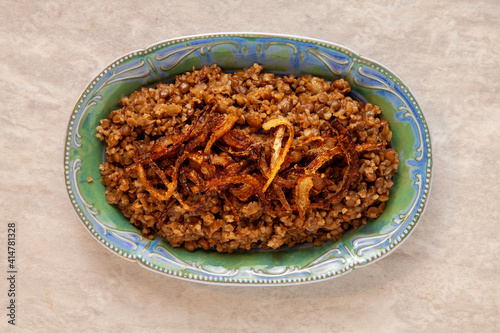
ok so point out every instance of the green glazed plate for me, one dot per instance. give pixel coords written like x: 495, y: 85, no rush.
x: 370, y: 82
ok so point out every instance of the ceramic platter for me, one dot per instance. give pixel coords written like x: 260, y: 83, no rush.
x: 370, y: 82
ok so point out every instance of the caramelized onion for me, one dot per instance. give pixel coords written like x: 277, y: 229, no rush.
x: 157, y: 194
x: 209, y: 173
x: 279, y: 154
x: 220, y: 131
x: 370, y: 146
x: 302, y: 189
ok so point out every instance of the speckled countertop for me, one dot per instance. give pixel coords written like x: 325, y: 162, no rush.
x: 444, y: 278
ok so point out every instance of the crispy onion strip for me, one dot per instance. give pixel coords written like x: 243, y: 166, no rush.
x: 345, y: 147
x: 308, y: 141
x: 281, y: 197
x: 278, y: 138
x: 238, y: 139
x: 349, y: 151
x: 243, y: 192
x: 279, y: 153
x: 305, y: 183
x: 201, y: 132
x: 322, y: 159
x: 143, y: 157
x: 188, y: 173
x: 370, y: 146
x: 220, y: 131
x: 237, y: 143
x: 220, y: 183
x: 167, y: 146
x: 302, y: 189
x: 157, y: 194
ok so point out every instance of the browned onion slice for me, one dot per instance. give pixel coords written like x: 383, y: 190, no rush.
x: 279, y: 154
x: 302, y: 189
x: 220, y: 131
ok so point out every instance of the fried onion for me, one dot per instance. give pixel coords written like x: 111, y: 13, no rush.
x: 211, y: 173
x: 220, y: 131
x: 279, y: 153
x: 302, y: 189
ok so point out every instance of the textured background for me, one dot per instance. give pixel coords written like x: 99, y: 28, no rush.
x: 444, y: 278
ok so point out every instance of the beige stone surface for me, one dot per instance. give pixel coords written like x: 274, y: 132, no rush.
x: 444, y: 278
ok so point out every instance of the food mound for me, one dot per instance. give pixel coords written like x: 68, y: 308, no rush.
x: 246, y: 160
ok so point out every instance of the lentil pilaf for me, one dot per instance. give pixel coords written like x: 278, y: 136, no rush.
x: 234, y: 161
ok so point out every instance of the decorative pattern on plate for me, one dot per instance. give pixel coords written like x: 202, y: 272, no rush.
x: 370, y: 82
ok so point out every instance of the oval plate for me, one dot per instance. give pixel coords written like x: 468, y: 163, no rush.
x: 370, y: 82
